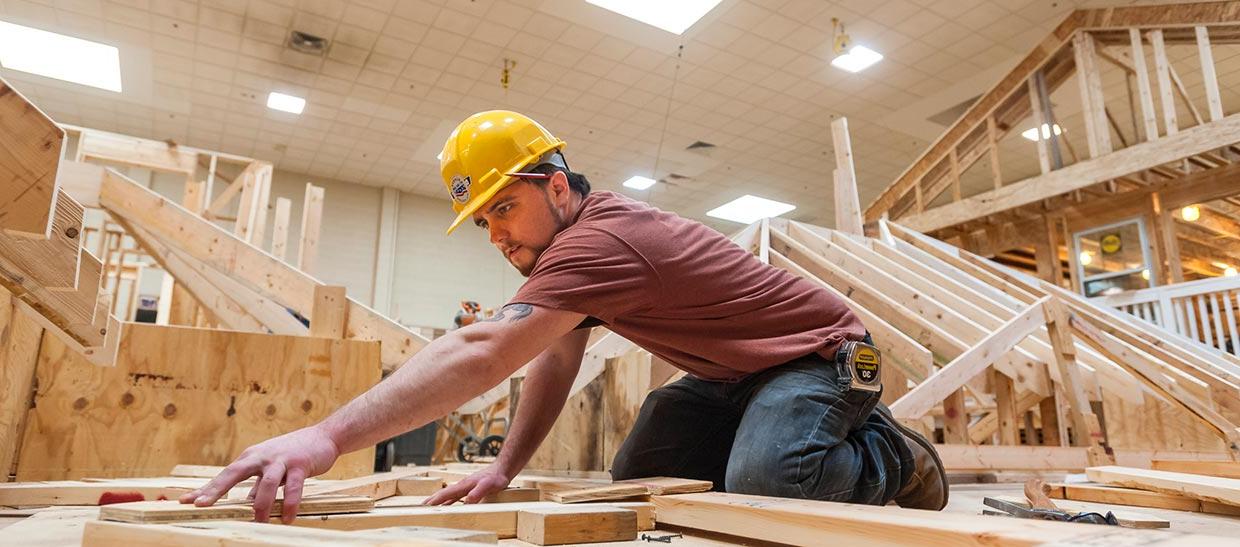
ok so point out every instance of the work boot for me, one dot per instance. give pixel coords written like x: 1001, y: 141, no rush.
x: 927, y: 488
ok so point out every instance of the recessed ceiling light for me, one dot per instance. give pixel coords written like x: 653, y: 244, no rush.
x: 285, y: 103
x: 1032, y: 132
x: 857, y: 59
x: 748, y: 209
x: 638, y: 182
x: 674, y: 17
x: 61, y: 57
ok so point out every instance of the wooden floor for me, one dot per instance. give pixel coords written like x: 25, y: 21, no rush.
x: 62, y: 528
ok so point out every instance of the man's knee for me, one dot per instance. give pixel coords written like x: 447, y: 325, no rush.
x: 761, y: 473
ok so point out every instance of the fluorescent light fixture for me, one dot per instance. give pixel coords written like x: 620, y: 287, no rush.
x: 638, y: 182
x: 748, y: 209
x: 675, y: 16
x: 857, y: 59
x: 285, y: 103
x: 1032, y: 132
x: 61, y: 57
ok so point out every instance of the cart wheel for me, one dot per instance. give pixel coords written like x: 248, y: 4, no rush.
x: 490, y: 446
x: 467, y: 449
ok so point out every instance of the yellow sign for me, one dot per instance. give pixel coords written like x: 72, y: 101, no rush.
x: 1111, y: 244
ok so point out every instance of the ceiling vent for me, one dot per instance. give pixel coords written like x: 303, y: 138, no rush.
x: 307, y: 43
x: 699, y: 145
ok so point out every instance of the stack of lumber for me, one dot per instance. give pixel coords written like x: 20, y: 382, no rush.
x: 593, y: 511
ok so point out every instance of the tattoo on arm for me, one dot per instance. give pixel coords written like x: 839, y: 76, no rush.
x: 519, y: 312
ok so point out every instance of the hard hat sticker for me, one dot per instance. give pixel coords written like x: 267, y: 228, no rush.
x: 460, y: 188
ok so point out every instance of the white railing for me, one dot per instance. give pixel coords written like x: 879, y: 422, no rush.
x: 1204, y: 310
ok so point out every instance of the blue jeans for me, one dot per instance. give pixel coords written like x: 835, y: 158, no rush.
x: 792, y: 431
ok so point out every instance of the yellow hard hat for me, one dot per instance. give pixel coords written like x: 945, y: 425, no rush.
x: 481, y: 155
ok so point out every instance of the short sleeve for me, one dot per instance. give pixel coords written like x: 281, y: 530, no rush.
x: 592, y: 272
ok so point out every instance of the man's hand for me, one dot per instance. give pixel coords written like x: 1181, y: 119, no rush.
x: 288, y: 459
x: 472, y: 488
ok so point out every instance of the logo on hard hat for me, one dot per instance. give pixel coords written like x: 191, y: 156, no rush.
x: 460, y: 189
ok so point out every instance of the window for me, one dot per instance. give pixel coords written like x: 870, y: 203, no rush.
x: 1112, y: 258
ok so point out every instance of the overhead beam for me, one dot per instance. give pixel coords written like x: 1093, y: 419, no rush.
x: 1138, y: 157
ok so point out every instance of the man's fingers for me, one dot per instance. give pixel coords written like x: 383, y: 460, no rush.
x: 272, y: 476
x: 450, y: 494
x: 235, y: 472
x: 292, y: 494
x: 481, y: 491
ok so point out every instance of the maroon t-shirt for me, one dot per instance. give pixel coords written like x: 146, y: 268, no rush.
x: 684, y: 292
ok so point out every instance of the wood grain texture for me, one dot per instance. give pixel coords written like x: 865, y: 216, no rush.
x: 164, y: 511
x: 1217, y: 489
x: 183, y: 395
x: 1225, y: 469
x: 51, y: 262
x: 670, y: 485
x: 30, y: 145
x: 800, y: 522
x: 249, y: 534
x: 616, y: 491
x: 578, y: 524
x: 20, y: 337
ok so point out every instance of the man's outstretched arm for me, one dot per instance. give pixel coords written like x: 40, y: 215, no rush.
x: 549, y: 378
x: 437, y: 380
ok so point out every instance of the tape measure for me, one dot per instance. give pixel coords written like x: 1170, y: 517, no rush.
x: 861, y: 364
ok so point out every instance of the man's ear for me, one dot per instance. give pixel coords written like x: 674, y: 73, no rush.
x: 559, y: 185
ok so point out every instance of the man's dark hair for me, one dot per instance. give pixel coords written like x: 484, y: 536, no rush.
x: 576, y: 181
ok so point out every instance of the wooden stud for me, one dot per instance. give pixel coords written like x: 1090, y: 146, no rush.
x: 1097, y: 133
x: 1039, y: 121
x: 279, y: 229
x: 992, y: 138
x: 1049, y: 411
x: 1214, y: 100
x: 1162, y: 69
x: 955, y: 419
x: 847, y: 202
x: 329, y: 316
x: 1005, y: 399
x: 311, y: 224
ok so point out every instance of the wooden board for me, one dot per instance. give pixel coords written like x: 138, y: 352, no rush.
x: 1227, y: 469
x: 92, y: 493
x: 670, y: 485
x: 1140, y: 498
x: 249, y: 534
x: 184, y: 395
x: 1202, y: 487
x: 500, y: 518
x: 30, y: 145
x: 374, y: 486
x: 418, y: 486
x: 578, y: 524
x: 203, y: 471
x: 801, y: 522
x: 599, y: 493
x: 146, y: 512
